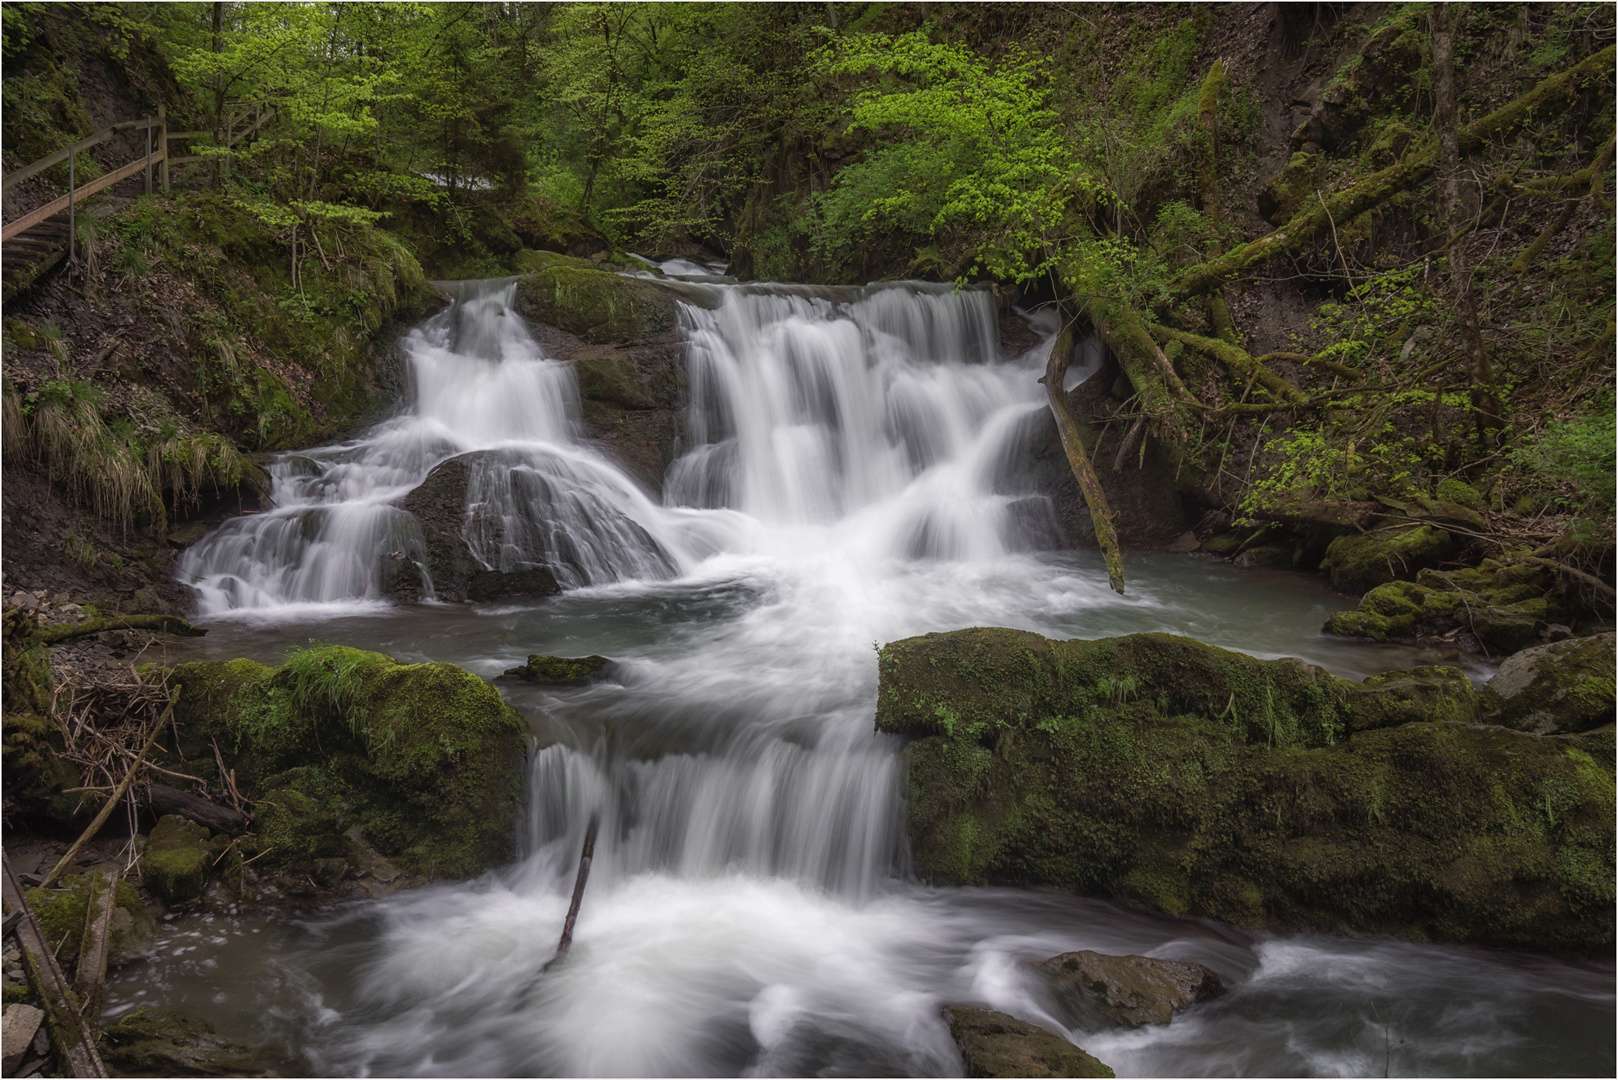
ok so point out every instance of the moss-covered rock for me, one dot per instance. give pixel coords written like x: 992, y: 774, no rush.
x: 1358, y: 562
x: 1170, y: 774
x: 61, y: 911
x: 178, y: 857
x: 597, y: 306
x: 1565, y: 686
x: 425, y: 759
x: 1288, y: 190
x: 562, y: 670
x: 147, y: 1042
x: 994, y: 1044
x: 1460, y: 493
x: 1499, y: 606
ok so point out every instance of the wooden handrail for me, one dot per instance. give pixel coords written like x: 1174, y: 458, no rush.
x: 28, y: 221
x: 79, y: 147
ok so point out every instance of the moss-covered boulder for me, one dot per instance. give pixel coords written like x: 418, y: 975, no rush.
x: 425, y: 760
x: 1358, y: 562
x: 1565, y: 686
x: 994, y: 1044
x: 1291, y: 188
x: 1170, y: 774
x: 1499, y: 606
x: 178, y: 857
x: 61, y: 911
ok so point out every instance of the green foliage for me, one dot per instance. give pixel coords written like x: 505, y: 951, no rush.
x: 1376, y: 317
x: 971, y: 144
x: 1577, y: 459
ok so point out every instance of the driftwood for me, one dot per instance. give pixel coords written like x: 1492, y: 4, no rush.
x: 69, y: 1033
x: 163, y: 624
x: 167, y: 800
x: 1094, y: 498
x: 89, y: 981
x: 117, y: 795
x: 585, y: 858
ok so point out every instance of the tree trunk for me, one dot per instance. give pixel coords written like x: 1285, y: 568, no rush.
x: 1094, y: 498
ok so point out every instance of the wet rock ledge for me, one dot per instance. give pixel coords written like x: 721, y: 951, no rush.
x: 1172, y: 775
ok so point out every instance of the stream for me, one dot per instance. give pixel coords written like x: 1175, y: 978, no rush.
x: 854, y: 471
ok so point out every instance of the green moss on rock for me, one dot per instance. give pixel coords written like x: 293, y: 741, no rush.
x: 1358, y: 562
x: 178, y: 858
x: 60, y: 911
x: 995, y: 1044
x: 1176, y: 776
x: 147, y: 1042
x: 562, y: 670
x: 425, y: 759
x: 1565, y: 686
x: 1501, y: 604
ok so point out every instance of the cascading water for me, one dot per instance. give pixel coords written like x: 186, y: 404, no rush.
x: 851, y: 475
x: 480, y: 386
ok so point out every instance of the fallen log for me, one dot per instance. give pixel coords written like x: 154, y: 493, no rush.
x: 89, y: 981
x: 69, y: 1033
x: 163, y: 624
x: 1237, y: 361
x: 167, y: 800
x: 1094, y: 498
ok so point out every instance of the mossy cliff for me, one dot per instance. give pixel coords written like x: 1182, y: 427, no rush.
x: 425, y: 760
x: 1178, y: 776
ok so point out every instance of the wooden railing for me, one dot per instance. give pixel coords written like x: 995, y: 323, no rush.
x: 158, y: 137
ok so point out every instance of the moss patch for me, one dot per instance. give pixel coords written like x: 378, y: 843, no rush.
x: 1561, y: 687
x: 1179, y: 777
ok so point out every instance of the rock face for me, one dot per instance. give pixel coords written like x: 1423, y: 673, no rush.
x: 994, y: 1044
x: 1565, y: 686
x: 1101, y: 991
x: 425, y: 760
x: 438, y: 504
x: 622, y: 336
x: 1170, y: 774
x: 1498, y: 606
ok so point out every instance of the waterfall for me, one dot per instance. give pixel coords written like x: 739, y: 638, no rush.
x: 480, y: 386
